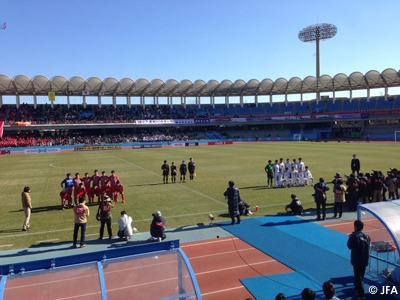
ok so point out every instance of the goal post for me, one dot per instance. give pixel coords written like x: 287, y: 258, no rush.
x: 297, y: 137
x: 397, y: 137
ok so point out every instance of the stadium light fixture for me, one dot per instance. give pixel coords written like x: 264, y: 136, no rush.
x: 316, y: 33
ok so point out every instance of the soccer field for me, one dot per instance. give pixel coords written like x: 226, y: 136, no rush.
x: 182, y: 204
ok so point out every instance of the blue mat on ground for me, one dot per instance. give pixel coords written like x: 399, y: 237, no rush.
x: 301, y: 245
x: 291, y: 284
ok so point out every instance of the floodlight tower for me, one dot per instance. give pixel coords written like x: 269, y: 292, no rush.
x: 316, y: 33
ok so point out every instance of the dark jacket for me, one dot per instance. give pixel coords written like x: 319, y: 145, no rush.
x: 355, y: 164
x: 233, y: 195
x: 358, y: 243
x: 157, y: 229
x: 320, y: 191
x: 105, y: 210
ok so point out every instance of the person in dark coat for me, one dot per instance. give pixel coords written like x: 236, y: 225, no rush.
x: 233, y: 195
x: 359, y: 243
x: 104, y: 212
x: 355, y: 165
x: 157, y: 227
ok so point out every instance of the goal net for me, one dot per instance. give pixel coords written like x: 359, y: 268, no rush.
x: 297, y: 137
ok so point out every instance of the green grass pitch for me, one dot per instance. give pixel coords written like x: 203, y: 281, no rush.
x: 182, y: 204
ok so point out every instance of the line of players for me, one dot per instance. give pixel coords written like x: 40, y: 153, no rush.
x: 288, y: 174
x: 93, y: 186
x: 191, y: 167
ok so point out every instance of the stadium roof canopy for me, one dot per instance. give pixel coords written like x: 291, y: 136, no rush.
x: 93, y: 86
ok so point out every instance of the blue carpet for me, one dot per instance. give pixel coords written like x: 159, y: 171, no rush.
x: 291, y: 284
x: 301, y: 245
x: 312, y: 248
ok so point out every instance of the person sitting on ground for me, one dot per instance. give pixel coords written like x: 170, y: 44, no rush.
x: 244, y: 208
x: 329, y: 291
x: 157, y: 227
x: 295, y: 206
x: 125, y: 226
x: 307, y: 294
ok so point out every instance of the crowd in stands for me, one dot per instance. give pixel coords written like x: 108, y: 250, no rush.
x: 17, y: 141
x: 89, y: 114
x: 29, y: 140
x: 79, y: 114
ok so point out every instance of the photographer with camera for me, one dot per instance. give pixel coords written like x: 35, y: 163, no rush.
x: 320, y: 198
x: 377, y: 184
x: 157, y: 227
x: 352, y: 191
x: 391, y: 183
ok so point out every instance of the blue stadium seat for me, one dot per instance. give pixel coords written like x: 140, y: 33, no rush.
x: 317, y: 107
x: 258, y: 110
x: 217, y: 110
x: 274, y: 109
x: 243, y: 111
x: 287, y: 109
x: 383, y: 104
x: 351, y: 106
x: 302, y: 108
x: 367, y: 105
x: 334, y: 107
x: 229, y: 111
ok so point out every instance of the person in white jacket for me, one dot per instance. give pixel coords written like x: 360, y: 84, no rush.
x: 125, y: 229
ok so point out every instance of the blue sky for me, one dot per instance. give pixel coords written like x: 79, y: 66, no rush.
x: 195, y: 39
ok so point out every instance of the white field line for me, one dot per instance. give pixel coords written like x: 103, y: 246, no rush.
x: 9, y: 245
x: 46, y: 241
x: 179, y: 184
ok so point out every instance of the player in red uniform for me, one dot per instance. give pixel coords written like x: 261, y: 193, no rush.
x: 77, y: 182
x: 103, y: 181
x: 86, y: 181
x: 107, y: 190
x: 66, y: 195
x: 96, y: 185
x: 118, y: 189
x: 80, y: 191
x: 113, y: 179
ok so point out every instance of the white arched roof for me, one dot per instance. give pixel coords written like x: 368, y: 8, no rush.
x: 41, y: 85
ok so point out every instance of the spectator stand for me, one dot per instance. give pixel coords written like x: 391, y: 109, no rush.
x: 273, y: 109
x: 368, y: 106
x: 351, y: 105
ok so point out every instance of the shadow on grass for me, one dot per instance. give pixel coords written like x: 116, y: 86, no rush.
x: 257, y: 187
x: 10, y: 230
x: 147, y: 184
x: 189, y: 228
x: 40, y: 209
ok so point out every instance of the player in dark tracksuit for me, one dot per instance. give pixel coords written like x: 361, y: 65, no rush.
x: 173, y: 172
x: 183, y: 171
x: 165, y: 171
x: 191, y: 169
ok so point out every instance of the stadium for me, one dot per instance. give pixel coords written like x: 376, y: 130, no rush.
x: 53, y: 126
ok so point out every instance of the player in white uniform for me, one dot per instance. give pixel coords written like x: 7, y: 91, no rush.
x: 294, y: 180
x: 281, y: 164
x: 288, y: 165
x: 276, y: 172
x: 300, y: 165
x: 279, y: 179
x: 308, y: 178
x: 294, y: 164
